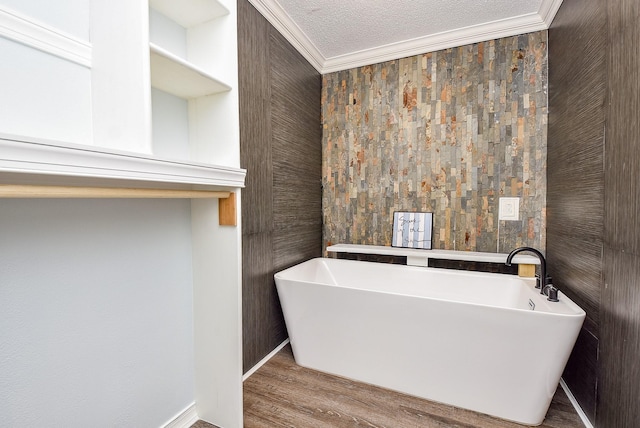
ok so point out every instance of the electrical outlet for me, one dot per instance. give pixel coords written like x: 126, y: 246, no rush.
x: 509, y: 209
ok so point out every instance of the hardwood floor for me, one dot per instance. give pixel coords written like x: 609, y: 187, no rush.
x: 283, y: 394
x: 203, y: 424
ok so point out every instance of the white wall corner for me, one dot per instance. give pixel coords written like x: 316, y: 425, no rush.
x: 184, y: 419
x: 276, y: 15
x: 548, y: 10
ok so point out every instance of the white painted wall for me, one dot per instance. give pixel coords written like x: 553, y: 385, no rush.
x: 69, y: 16
x: 50, y: 97
x: 96, y: 315
x: 170, y: 125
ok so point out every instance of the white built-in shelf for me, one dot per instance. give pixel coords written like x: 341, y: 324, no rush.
x: 189, y: 13
x: 420, y: 257
x: 174, y: 75
x: 51, y: 160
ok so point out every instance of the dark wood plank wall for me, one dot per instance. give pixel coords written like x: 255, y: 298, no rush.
x: 619, y: 381
x: 593, y: 241
x: 575, y: 175
x: 297, y: 155
x: 280, y: 146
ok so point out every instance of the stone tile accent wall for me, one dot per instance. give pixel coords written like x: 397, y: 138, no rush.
x: 447, y: 132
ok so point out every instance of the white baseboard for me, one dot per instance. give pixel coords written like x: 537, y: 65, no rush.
x: 184, y: 419
x: 189, y: 416
x: 583, y: 416
x: 263, y: 361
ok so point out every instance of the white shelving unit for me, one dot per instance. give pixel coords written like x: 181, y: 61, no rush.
x: 163, y: 84
x: 189, y: 76
x: 190, y: 13
x: 176, y: 76
x: 154, y: 105
x: 193, y: 74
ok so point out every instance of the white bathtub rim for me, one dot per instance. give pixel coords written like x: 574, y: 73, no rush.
x: 458, y: 302
x: 445, y: 271
x: 579, y: 312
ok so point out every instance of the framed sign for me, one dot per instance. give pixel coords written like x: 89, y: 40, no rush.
x: 412, y: 230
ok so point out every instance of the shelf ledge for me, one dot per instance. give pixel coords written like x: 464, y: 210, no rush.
x: 174, y: 75
x: 43, y: 162
x: 190, y: 13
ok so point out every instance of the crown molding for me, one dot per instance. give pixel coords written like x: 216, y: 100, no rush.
x: 277, y: 16
x: 548, y: 10
x: 435, y: 42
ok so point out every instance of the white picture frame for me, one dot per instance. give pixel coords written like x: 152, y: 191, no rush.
x: 412, y: 230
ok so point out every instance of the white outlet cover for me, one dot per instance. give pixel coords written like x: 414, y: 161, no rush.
x: 509, y: 209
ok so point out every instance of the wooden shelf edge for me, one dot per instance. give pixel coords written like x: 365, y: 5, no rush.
x: 34, y: 191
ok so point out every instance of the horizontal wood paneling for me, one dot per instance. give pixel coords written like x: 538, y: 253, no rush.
x: 619, y: 381
x: 262, y: 320
x: 255, y: 127
x: 280, y: 145
x: 575, y: 265
x: 257, y: 202
x: 619, y: 377
x: 588, y: 173
x: 622, y: 193
x: 297, y: 153
x: 575, y: 177
x: 581, y: 372
x: 295, y: 244
x: 256, y: 157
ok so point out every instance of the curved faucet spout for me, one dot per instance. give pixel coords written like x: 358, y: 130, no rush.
x: 543, y: 264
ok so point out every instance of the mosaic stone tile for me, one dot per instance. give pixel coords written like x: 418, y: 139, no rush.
x: 447, y: 132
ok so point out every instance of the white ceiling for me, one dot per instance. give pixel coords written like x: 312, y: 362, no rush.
x: 341, y: 34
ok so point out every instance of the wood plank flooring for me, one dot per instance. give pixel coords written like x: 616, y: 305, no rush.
x: 283, y: 394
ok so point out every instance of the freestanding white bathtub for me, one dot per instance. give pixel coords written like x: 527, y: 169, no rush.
x: 485, y: 342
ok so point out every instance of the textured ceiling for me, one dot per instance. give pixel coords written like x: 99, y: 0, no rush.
x: 342, y: 34
x: 339, y: 27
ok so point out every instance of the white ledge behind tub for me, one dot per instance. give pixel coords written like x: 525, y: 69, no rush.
x: 417, y: 257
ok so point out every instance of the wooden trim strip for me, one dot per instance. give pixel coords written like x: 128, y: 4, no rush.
x: 30, y: 191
